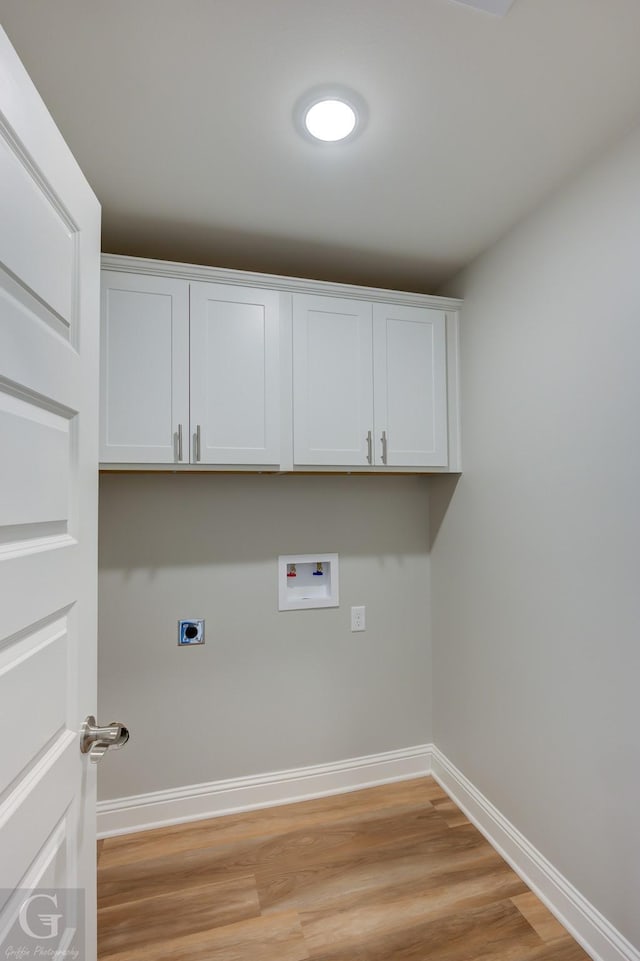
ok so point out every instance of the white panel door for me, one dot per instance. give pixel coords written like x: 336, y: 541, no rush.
x: 332, y: 381
x: 144, y: 361
x: 235, y: 385
x: 410, y: 375
x: 49, y: 302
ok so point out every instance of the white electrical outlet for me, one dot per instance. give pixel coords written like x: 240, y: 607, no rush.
x: 358, y: 622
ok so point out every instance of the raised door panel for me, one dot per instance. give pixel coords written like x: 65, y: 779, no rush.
x: 332, y: 381
x: 410, y: 386
x: 145, y: 369
x: 235, y: 387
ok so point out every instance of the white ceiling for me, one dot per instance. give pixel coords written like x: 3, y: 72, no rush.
x: 180, y: 114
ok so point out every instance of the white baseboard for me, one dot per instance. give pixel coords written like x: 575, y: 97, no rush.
x: 145, y: 811
x: 588, y: 926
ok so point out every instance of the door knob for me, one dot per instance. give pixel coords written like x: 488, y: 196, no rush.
x: 96, y: 741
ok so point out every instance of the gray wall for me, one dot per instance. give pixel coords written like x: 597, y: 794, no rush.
x: 535, y: 565
x: 269, y: 690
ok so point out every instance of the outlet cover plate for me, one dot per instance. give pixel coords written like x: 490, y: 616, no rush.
x: 358, y: 619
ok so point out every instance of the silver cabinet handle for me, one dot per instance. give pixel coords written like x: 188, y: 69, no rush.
x: 96, y: 741
x: 197, y: 440
x: 369, y: 447
x: 180, y: 442
x: 383, y: 439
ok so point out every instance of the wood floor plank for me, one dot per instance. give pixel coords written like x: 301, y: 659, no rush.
x: 563, y: 950
x: 276, y: 938
x: 386, y: 912
x: 144, y: 879
x: 336, y: 844
x: 495, y: 932
x: 450, y: 812
x: 539, y: 917
x: 387, y: 798
x: 405, y: 867
x: 149, y: 920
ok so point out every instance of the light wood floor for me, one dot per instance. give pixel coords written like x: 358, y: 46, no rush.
x: 393, y: 873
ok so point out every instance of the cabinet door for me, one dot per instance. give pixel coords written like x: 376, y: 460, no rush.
x: 235, y: 400
x: 410, y: 375
x: 332, y: 381
x: 144, y: 369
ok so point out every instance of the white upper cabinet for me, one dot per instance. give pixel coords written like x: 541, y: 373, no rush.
x: 144, y: 406
x: 189, y: 372
x: 332, y: 381
x: 235, y: 393
x: 211, y: 369
x: 410, y: 378
x: 369, y: 384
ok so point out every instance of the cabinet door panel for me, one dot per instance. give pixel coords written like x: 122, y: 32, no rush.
x: 410, y: 386
x: 235, y: 374
x: 332, y: 380
x: 145, y: 368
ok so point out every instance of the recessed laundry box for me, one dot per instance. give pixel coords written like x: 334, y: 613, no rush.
x: 307, y: 581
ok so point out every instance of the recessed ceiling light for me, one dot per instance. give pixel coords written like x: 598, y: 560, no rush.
x: 330, y: 114
x: 330, y: 120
